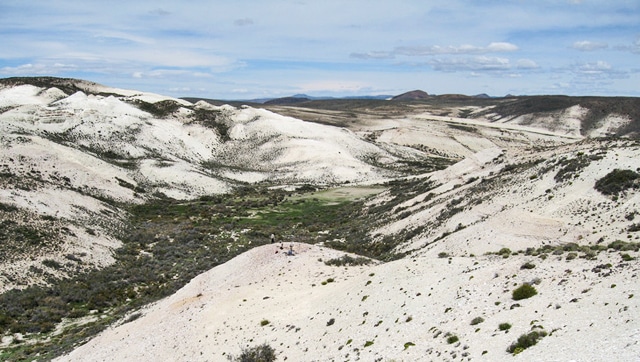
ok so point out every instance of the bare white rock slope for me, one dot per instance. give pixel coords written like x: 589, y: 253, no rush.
x: 403, y: 310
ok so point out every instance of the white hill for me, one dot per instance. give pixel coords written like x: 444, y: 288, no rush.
x: 403, y: 310
x: 75, y: 157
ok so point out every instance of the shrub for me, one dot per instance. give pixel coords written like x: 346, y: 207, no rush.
x: 477, y: 320
x: 262, y: 353
x: 523, y: 292
x: 504, y: 326
x: 505, y: 252
x: 452, y: 339
x: 264, y: 322
x: 617, y: 181
x: 51, y: 264
x: 528, y: 265
x: 408, y: 344
x: 623, y: 246
x: 347, y: 260
x: 159, y: 109
x: 525, y: 341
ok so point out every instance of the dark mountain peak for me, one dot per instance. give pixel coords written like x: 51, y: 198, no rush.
x: 412, y: 95
x: 286, y: 100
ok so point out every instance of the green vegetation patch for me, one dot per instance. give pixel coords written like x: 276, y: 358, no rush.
x: 618, y: 181
x: 261, y: 353
x: 159, y: 109
x: 571, y: 167
x: 167, y: 243
x: 524, y: 291
x: 348, y: 260
x: 525, y: 341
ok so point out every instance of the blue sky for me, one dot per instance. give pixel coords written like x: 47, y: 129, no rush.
x: 245, y: 49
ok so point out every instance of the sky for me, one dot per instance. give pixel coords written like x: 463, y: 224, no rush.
x: 247, y: 49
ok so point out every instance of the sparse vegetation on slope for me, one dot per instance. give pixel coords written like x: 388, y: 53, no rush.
x: 160, y: 109
x: 261, y: 353
x: 169, y: 243
x: 618, y: 181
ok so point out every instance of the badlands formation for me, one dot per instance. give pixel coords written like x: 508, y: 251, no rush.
x: 474, y: 204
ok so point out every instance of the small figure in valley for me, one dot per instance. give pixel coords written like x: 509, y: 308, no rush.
x: 290, y: 252
x: 273, y: 238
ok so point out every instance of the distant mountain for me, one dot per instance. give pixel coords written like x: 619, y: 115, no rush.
x: 298, y: 98
x: 286, y: 100
x: 482, y: 95
x: 411, y: 96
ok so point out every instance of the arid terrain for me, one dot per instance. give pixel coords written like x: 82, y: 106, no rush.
x: 137, y: 227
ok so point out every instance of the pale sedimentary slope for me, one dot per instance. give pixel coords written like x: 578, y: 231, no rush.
x: 70, y: 162
x: 402, y: 310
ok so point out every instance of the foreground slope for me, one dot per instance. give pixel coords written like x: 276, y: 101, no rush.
x: 470, y: 234
x: 402, y: 310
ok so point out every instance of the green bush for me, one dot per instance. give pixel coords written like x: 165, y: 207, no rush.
x: 505, y: 252
x: 452, y: 339
x: 477, y: 320
x: 626, y: 257
x: 525, y: 341
x: 504, y: 326
x: 347, y: 260
x: 408, y: 344
x: 617, y: 181
x: 523, y: 292
x: 528, y: 265
x: 262, y: 353
x: 623, y: 246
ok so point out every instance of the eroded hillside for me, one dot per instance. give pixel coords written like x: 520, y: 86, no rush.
x: 113, y: 199
x: 71, y: 161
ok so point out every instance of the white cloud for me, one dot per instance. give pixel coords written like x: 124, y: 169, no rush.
x: 38, y: 69
x: 501, y: 47
x: 633, y: 48
x: 122, y: 36
x: 527, y: 64
x: 480, y: 63
x: 431, y: 50
x: 333, y: 86
x: 373, y: 55
x: 598, y: 67
x: 586, y: 45
x: 450, y: 49
x: 599, y: 70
